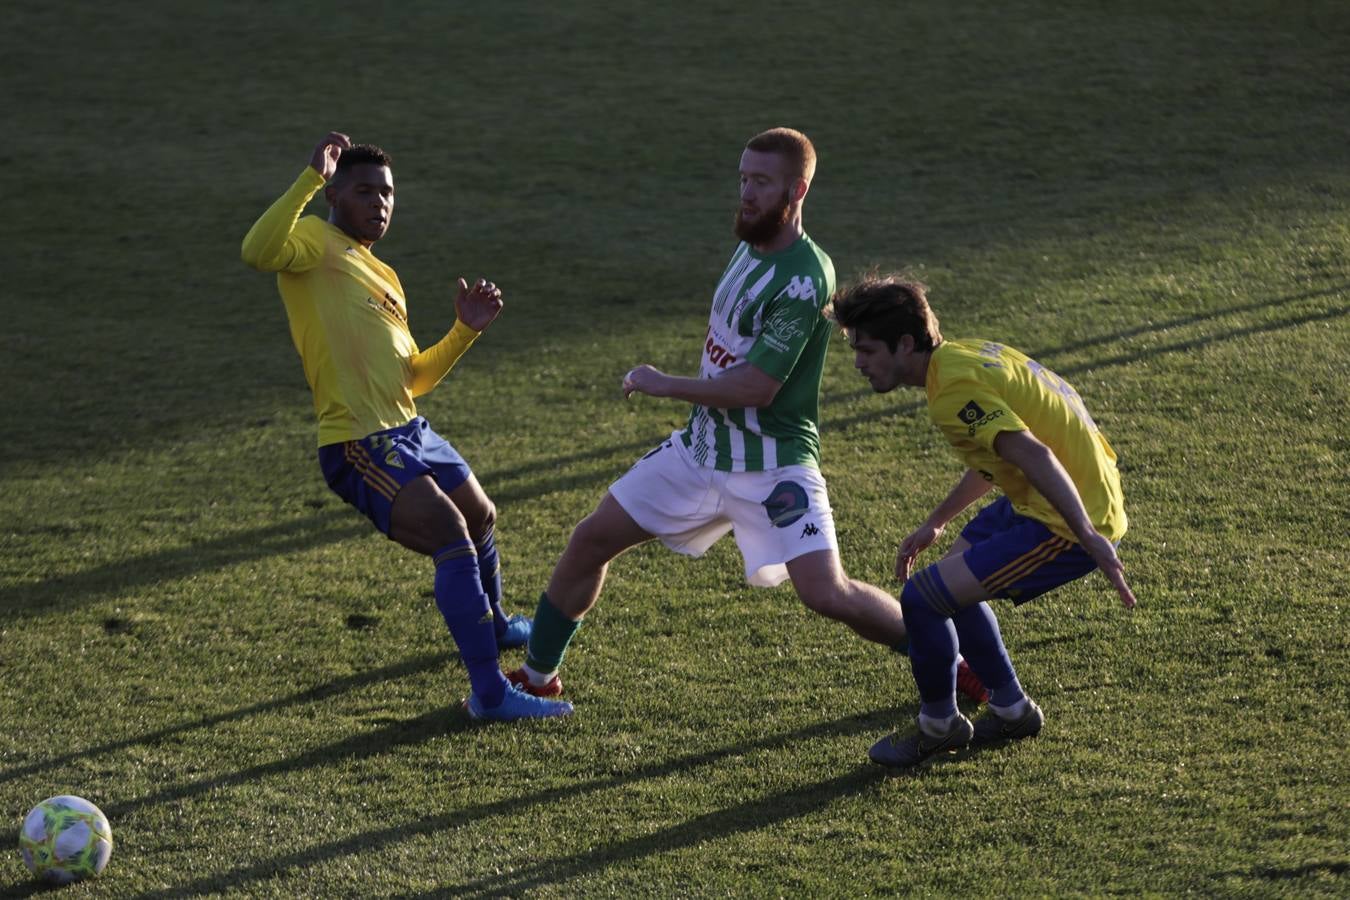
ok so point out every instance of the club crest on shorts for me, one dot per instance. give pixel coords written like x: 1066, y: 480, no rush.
x: 786, y: 503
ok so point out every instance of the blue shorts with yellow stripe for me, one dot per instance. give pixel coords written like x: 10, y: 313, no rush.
x: 1017, y: 557
x: 369, y: 473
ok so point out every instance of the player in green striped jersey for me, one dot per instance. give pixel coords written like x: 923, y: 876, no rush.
x: 748, y: 460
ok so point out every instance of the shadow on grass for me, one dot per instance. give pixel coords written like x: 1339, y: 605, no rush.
x: 749, y: 816
x: 746, y: 817
x: 412, y: 666
x: 116, y: 578
x: 431, y: 724
x: 1336, y: 868
x: 1196, y: 318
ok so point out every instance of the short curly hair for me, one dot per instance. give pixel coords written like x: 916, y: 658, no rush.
x: 361, y: 155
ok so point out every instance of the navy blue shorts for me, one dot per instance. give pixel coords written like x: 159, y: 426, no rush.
x: 1017, y: 557
x: 369, y: 473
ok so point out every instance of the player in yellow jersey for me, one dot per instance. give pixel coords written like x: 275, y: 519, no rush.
x: 349, y: 323
x: 1019, y: 427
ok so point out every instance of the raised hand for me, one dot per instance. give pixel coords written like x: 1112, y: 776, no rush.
x: 325, y: 157
x: 478, y: 306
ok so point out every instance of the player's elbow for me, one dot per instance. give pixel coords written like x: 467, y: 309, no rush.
x: 253, y: 257
x: 1019, y: 447
x: 764, y: 395
x: 760, y: 389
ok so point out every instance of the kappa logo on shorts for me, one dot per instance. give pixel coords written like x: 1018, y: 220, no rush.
x: 786, y: 503
x: 810, y: 530
x: 393, y: 459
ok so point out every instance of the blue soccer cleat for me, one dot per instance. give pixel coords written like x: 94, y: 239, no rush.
x: 517, y: 704
x: 517, y: 633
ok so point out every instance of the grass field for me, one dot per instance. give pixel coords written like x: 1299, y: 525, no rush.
x: 1152, y: 198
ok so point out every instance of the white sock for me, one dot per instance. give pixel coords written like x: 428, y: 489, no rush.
x: 538, y: 679
x: 936, y: 727
x: 1011, y: 713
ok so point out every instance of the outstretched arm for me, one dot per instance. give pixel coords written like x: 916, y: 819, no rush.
x: 1046, y: 475
x: 742, y: 385
x: 271, y: 245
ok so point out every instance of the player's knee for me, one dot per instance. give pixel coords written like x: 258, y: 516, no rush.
x: 828, y: 597
x: 442, y: 522
x: 484, y: 519
x: 822, y: 602
x: 588, y: 536
x: 925, y: 595
x: 592, y: 541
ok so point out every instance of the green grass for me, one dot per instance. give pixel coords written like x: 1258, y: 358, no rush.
x: 257, y: 689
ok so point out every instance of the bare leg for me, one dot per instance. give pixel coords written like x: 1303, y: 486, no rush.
x: 823, y: 586
x: 424, y: 519
x: 580, y: 573
x: 480, y: 515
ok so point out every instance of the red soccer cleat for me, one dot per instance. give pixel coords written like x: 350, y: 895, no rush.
x: 554, y: 686
x: 967, y: 682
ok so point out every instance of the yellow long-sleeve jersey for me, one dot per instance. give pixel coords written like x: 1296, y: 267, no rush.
x: 348, y: 318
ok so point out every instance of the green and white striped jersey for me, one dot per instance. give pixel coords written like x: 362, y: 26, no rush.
x: 766, y: 312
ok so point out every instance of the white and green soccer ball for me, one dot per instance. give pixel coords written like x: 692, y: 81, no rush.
x: 65, y: 839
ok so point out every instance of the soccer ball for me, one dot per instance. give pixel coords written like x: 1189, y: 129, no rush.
x: 65, y: 839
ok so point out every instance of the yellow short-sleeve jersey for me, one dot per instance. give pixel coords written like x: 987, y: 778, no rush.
x: 977, y: 389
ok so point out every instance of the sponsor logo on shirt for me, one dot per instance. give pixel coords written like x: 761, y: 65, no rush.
x: 976, y: 418
x: 717, y: 354
x: 389, y: 305
x: 780, y: 330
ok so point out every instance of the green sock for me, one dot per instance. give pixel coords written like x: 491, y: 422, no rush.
x: 549, y: 639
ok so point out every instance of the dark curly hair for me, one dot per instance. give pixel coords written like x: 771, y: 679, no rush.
x: 363, y: 154
x: 886, y: 307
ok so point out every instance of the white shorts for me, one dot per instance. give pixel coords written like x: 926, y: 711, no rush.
x: 777, y: 515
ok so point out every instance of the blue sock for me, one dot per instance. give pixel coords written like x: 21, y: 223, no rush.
x: 460, y: 598
x: 490, y: 574
x: 982, y: 646
x: 932, y: 644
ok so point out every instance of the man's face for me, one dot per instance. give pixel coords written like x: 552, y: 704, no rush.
x: 766, y: 186
x: 362, y: 198
x: 875, y: 361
